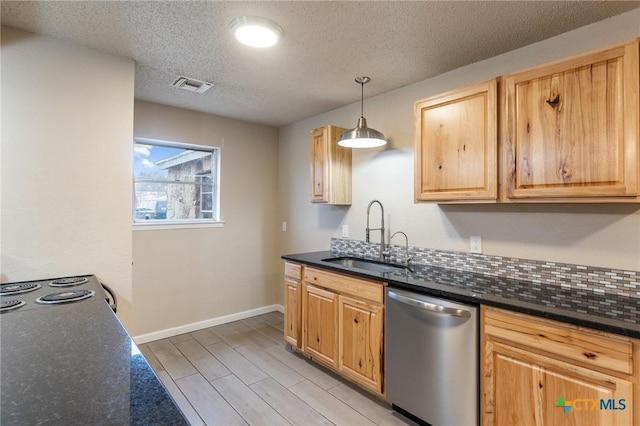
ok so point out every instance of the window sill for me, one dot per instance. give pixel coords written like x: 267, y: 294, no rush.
x: 161, y: 226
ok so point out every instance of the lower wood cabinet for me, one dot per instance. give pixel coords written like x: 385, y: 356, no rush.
x: 341, y: 323
x: 360, y: 341
x: 320, y: 318
x: 541, y: 372
x: 293, y: 304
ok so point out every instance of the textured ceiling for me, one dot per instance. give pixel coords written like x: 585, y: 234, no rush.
x: 326, y: 45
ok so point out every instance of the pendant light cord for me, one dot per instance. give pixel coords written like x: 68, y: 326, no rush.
x: 362, y: 99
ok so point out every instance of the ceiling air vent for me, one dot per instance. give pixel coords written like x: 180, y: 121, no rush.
x: 191, y: 84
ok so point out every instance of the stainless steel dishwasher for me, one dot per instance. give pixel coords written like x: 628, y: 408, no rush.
x: 431, y: 358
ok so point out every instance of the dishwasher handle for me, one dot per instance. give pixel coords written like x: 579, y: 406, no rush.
x: 431, y: 307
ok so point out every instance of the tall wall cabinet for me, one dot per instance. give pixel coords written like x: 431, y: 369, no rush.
x: 330, y: 167
x: 568, y: 132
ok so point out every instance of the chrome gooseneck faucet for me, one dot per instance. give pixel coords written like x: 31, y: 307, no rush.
x: 407, y: 258
x: 383, y: 253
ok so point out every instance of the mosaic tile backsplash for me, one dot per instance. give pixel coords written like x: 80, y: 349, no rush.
x: 599, y: 281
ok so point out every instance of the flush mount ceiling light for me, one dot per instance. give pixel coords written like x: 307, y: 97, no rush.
x: 362, y: 136
x: 255, y: 31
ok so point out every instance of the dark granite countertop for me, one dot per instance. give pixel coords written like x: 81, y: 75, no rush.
x: 75, y: 364
x: 609, y: 312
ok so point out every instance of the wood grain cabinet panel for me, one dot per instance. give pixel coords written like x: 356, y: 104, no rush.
x: 360, y: 342
x: 293, y: 304
x: 363, y: 289
x: 456, y: 144
x: 320, y: 332
x: 580, y: 345
x: 330, y: 167
x: 570, y: 129
x: 292, y: 314
x: 534, y: 373
x: 342, y: 325
x: 532, y: 389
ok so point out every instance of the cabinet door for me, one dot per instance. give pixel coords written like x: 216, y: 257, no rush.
x: 571, y: 129
x: 320, y: 318
x: 330, y: 167
x: 456, y: 143
x: 292, y: 312
x: 360, y: 342
x: 319, y: 157
x: 532, y: 389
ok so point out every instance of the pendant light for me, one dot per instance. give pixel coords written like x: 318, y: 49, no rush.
x: 362, y: 136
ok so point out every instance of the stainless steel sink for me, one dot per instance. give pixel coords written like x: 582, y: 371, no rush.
x: 366, y: 264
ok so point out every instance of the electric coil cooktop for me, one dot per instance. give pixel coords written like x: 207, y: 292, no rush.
x: 28, y: 295
x: 67, y: 360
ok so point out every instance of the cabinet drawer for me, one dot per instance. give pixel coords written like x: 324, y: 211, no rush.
x: 589, y: 347
x: 292, y: 270
x: 368, y: 290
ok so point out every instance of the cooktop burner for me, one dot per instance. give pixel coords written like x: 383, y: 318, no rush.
x: 50, y: 293
x: 18, y: 288
x: 10, y: 305
x: 68, y: 282
x: 65, y: 296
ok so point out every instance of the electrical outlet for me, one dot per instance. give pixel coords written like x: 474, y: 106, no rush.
x: 475, y: 244
x: 284, y: 226
x: 345, y: 231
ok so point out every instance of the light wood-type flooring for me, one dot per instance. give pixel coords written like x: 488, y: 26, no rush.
x: 242, y: 373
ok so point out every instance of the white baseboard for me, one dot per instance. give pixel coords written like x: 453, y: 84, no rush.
x: 188, y: 328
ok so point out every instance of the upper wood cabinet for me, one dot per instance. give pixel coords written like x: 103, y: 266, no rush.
x: 570, y: 130
x: 456, y: 144
x: 330, y: 167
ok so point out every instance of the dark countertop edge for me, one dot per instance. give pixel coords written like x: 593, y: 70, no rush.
x: 584, y: 320
x: 164, y: 402
x: 148, y: 400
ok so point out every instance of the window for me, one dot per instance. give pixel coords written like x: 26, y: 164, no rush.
x: 175, y: 182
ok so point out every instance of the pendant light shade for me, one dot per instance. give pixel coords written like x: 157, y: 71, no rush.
x: 362, y: 136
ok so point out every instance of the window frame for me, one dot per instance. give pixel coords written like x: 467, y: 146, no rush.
x: 215, y: 152
x: 200, y: 178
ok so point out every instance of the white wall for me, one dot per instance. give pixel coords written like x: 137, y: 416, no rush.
x: 67, y: 125
x: 598, y: 235
x: 186, y: 276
